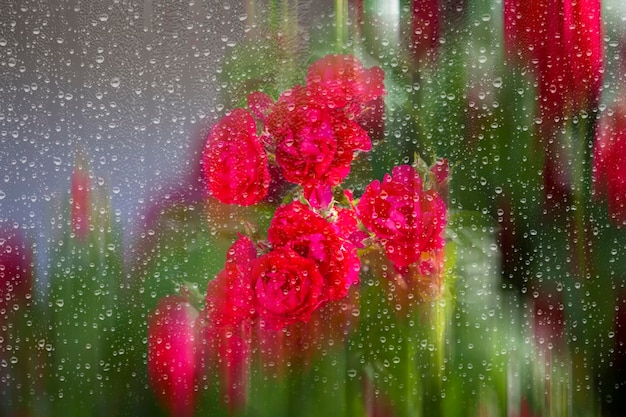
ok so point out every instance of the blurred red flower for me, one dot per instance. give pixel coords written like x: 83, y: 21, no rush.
x: 314, y: 148
x: 234, y: 161
x: 315, y: 126
x: 172, y: 343
x: 563, y: 40
x: 340, y: 82
x: 229, y: 295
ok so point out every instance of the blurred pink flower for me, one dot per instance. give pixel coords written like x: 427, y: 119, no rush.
x: 314, y: 148
x: 424, y: 27
x: 80, y: 201
x: 260, y: 104
x: 15, y: 272
x: 172, y: 353
x: 609, y: 163
x: 234, y: 161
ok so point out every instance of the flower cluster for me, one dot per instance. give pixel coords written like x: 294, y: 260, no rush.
x: 310, y: 258
x: 304, y: 272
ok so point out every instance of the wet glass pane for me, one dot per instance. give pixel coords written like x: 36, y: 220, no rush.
x: 288, y: 208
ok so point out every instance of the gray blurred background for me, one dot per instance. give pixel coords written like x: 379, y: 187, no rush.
x: 129, y: 85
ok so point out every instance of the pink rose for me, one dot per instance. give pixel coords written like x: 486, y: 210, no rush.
x: 297, y: 227
x: 234, y: 161
x: 406, y: 219
x: 287, y: 288
x: 172, y: 345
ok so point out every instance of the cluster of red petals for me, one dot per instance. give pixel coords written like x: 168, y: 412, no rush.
x: 406, y: 219
x: 287, y: 288
x: 609, y: 163
x: 172, y: 354
x: 297, y: 227
x: 234, y: 161
x: 307, y: 148
x: 564, y: 39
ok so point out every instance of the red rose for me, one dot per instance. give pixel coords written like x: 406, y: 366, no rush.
x: 314, y: 146
x: 229, y: 295
x: 305, y: 141
x: 172, y: 354
x: 234, y: 161
x: 297, y: 227
x: 406, y: 219
x: 287, y: 288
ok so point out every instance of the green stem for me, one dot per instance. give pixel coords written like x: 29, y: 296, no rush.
x: 411, y: 375
x: 581, y: 196
x: 341, y: 15
x: 585, y: 133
